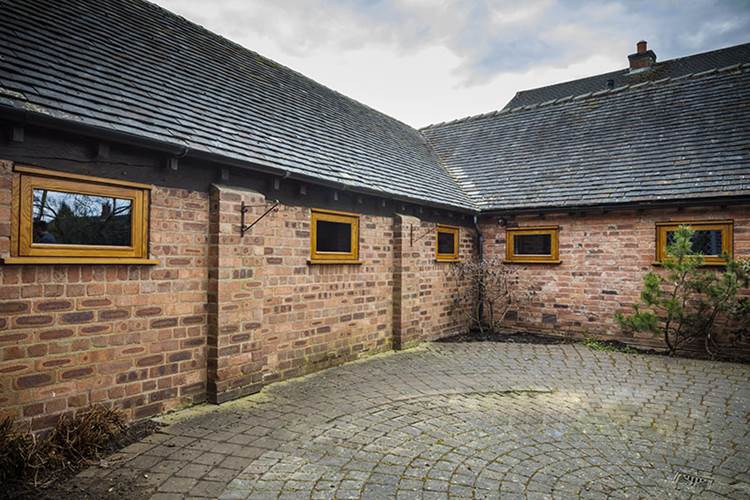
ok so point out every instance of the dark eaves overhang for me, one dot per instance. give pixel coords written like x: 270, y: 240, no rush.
x: 734, y: 199
x: 174, y: 149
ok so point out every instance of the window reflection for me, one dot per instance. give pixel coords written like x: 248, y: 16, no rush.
x: 80, y: 219
x: 704, y: 242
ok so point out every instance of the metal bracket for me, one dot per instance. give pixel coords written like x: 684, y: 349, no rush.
x: 245, y: 208
x: 411, y: 235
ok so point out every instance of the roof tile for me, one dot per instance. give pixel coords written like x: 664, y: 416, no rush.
x: 133, y: 67
x: 662, y: 69
x: 681, y: 138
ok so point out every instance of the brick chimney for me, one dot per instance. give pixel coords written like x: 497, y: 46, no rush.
x: 643, y: 58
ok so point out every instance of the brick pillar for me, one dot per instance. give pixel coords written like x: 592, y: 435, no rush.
x: 406, y: 306
x: 235, y: 292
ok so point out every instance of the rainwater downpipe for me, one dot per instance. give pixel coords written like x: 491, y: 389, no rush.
x: 480, y: 256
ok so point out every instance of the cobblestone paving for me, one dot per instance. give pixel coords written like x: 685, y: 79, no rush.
x: 477, y: 420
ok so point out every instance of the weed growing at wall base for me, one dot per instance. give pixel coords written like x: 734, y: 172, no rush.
x: 606, y: 346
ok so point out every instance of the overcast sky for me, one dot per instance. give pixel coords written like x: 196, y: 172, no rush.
x: 426, y: 61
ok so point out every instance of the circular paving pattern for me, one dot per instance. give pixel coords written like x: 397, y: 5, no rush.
x: 532, y: 444
x: 466, y: 421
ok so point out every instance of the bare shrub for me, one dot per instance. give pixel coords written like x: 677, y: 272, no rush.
x: 87, y: 435
x: 489, y: 290
x: 23, y: 455
x: 13, y: 445
x: 31, y: 459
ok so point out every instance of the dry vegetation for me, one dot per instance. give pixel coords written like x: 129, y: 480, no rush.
x: 491, y: 290
x: 32, y: 460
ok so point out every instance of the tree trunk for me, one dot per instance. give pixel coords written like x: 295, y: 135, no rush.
x: 491, y: 308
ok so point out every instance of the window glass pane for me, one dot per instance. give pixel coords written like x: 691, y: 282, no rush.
x: 81, y: 219
x: 445, y: 242
x: 333, y: 237
x: 532, y: 244
x: 705, y: 241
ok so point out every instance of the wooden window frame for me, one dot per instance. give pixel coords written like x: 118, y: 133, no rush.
x: 447, y: 257
x: 24, y: 251
x: 510, y: 235
x: 352, y: 219
x: 727, y: 238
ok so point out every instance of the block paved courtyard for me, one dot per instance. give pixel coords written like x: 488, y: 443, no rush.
x: 480, y: 420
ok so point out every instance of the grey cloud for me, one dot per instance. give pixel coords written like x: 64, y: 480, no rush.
x: 489, y: 37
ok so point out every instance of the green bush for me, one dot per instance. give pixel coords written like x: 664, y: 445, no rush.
x: 689, y: 302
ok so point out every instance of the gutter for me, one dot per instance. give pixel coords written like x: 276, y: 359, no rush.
x: 480, y: 238
x: 631, y: 205
x: 480, y: 256
x: 180, y: 150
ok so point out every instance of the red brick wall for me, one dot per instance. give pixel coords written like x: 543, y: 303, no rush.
x: 424, y: 301
x: 134, y: 336
x: 235, y: 299
x: 280, y: 317
x: 219, y: 317
x: 604, y: 258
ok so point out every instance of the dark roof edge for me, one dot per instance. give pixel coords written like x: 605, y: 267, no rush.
x: 604, y: 92
x: 737, y: 199
x: 179, y: 150
x: 182, y: 151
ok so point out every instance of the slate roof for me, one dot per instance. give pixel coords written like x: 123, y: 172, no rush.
x: 670, y: 68
x: 131, y: 67
x: 681, y: 138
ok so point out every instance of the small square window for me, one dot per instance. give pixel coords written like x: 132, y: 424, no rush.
x: 712, y: 239
x: 334, y: 237
x: 532, y: 245
x: 446, y: 245
x: 61, y: 218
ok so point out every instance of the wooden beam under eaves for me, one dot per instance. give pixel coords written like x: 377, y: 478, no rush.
x: 102, y: 151
x: 17, y: 133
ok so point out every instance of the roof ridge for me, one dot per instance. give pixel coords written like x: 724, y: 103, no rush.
x: 586, y: 95
x: 625, y: 70
x: 728, y: 47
